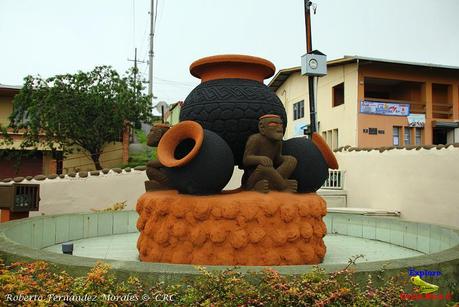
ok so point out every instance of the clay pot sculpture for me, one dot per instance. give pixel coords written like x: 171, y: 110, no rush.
x: 197, y: 161
x: 231, y: 98
x: 314, y: 158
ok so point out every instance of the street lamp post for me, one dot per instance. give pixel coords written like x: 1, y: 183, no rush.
x: 312, y: 105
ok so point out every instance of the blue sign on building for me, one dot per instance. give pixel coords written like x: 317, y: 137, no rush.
x: 384, y: 108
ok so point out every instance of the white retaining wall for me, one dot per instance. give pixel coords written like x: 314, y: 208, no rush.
x: 423, y: 184
x: 75, y: 194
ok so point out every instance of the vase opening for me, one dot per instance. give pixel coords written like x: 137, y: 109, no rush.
x: 184, y: 148
x: 180, y: 144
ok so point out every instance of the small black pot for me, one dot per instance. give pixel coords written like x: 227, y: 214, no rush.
x: 197, y: 161
x: 67, y: 248
x: 314, y: 158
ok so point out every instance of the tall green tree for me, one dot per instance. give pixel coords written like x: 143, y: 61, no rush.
x: 87, y: 109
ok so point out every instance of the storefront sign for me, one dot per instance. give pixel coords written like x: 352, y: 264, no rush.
x: 416, y: 120
x: 384, y: 108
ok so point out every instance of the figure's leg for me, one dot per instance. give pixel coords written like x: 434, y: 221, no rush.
x: 262, y: 186
x: 250, y: 178
x: 287, y: 167
x: 276, y: 182
x: 292, y: 186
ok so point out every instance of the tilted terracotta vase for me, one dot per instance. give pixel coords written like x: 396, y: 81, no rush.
x: 197, y: 161
x: 231, y: 98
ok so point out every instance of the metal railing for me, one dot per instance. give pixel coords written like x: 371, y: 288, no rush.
x: 335, y: 180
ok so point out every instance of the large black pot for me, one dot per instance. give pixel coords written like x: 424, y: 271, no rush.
x: 314, y: 158
x: 197, y: 161
x: 231, y: 98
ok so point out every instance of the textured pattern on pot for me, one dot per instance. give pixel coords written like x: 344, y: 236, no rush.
x: 197, y: 161
x: 231, y: 98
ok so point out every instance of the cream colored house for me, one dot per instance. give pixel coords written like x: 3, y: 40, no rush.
x: 429, y: 92
x: 43, y: 161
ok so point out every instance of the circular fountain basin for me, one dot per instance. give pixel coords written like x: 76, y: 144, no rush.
x: 340, y: 248
x: 388, y: 242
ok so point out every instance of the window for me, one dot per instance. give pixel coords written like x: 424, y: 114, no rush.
x: 298, y: 110
x: 418, y: 136
x: 396, y: 136
x: 334, y: 139
x: 338, y: 94
x: 331, y: 137
x: 407, y: 136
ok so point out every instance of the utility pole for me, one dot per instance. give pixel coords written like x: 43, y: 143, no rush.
x: 312, y: 102
x: 135, y: 67
x: 150, y: 53
x: 136, y: 70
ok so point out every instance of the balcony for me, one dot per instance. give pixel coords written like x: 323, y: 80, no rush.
x: 396, y: 91
x: 412, y: 93
x: 442, y: 103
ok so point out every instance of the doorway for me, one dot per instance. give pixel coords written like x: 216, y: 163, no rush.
x: 442, y: 135
x: 439, y: 136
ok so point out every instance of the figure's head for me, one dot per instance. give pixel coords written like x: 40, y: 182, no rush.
x: 156, y: 133
x: 271, y: 126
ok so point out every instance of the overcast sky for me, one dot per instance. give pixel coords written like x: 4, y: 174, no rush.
x: 49, y: 37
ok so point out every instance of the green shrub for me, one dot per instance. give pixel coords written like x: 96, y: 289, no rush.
x: 215, y: 288
x: 141, y: 136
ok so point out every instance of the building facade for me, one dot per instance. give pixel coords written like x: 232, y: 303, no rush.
x: 366, y: 102
x: 173, y: 114
x: 32, y: 163
x: 43, y: 161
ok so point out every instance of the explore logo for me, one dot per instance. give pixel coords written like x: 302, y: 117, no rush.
x: 423, y: 273
x: 424, y: 290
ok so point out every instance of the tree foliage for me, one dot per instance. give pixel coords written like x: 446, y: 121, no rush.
x: 88, y: 109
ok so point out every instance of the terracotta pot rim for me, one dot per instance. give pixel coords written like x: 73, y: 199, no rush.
x: 173, y: 137
x: 259, y: 68
x: 327, y: 153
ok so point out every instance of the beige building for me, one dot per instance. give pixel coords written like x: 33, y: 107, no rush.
x: 173, y: 114
x: 32, y: 162
x: 43, y: 161
x: 368, y: 102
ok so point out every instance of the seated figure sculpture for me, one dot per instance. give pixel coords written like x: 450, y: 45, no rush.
x: 157, y: 179
x: 265, y: 168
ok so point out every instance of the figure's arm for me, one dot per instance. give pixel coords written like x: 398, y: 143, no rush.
x: 250, y: 154
x: 278, y: 158
x: 285, y: 165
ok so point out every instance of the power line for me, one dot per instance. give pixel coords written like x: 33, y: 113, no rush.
x: 178, y: 82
